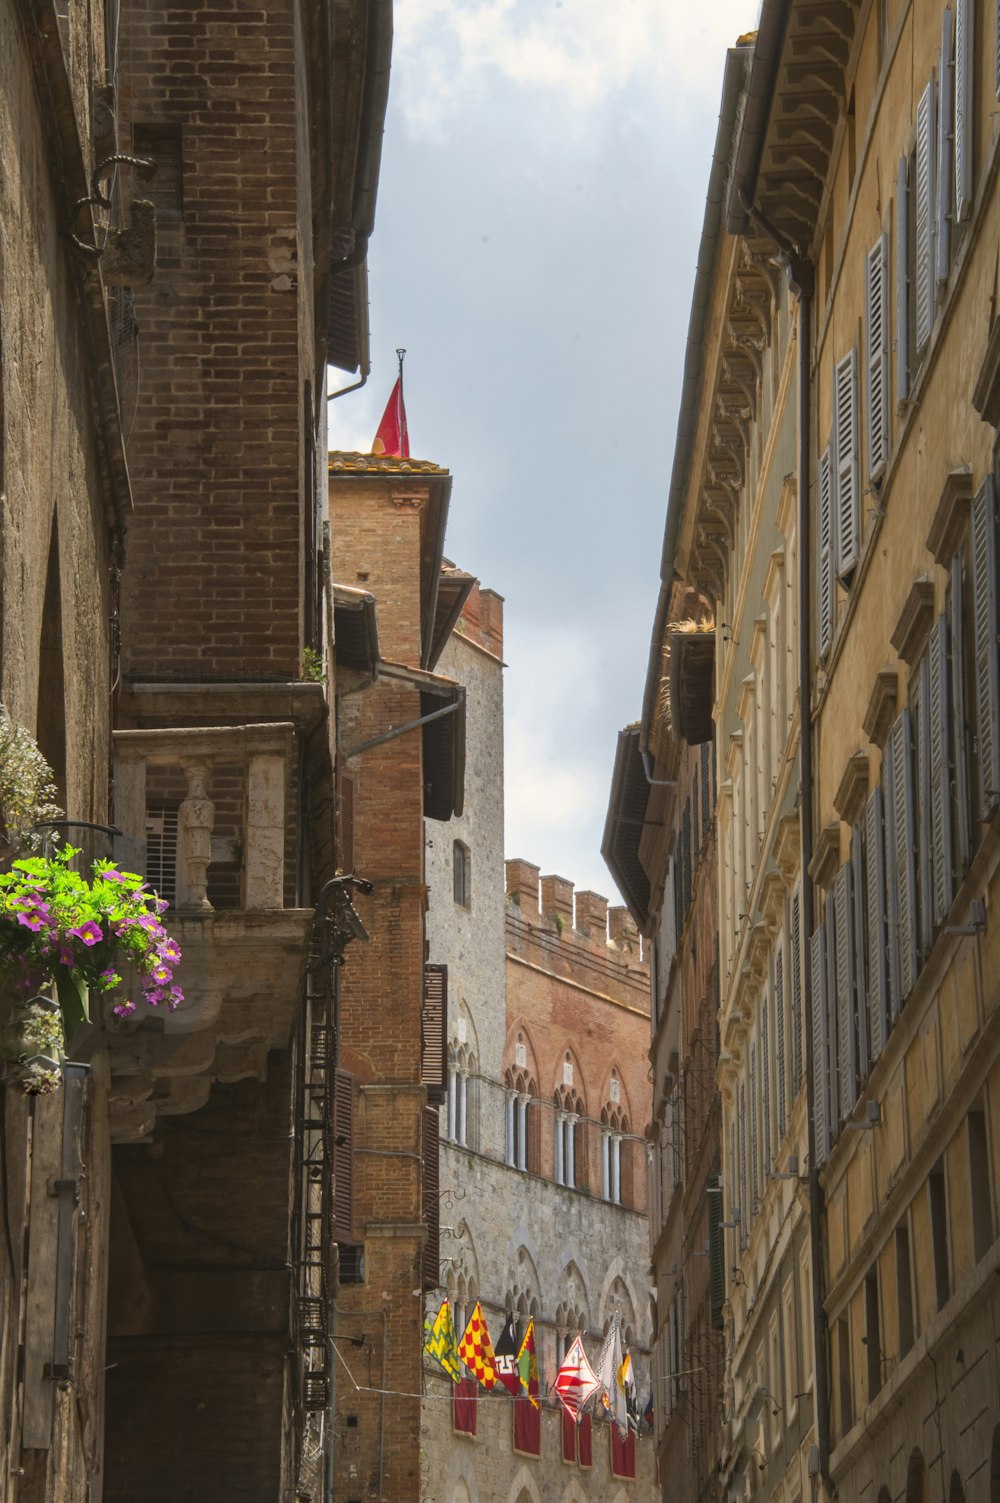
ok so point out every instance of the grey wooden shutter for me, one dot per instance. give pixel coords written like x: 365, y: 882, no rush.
x: 847, y: 1048
x: 964, y: 70
x: 878, y: 970
x: 706, y: 750
x: 939, y: 715
x: 765, y: 1089
x: 744, y: 1198
x: 877, y: 355
x: 824, y: 576
x: 833, y: 1056
x: 795, y: 992
x: 343, y: 1156
x: 959, y: 740
x: 847, y: 517
x: 754, y: 1135
x: 779, y: 1034
x: 434, y: 1033
x: 924, y: 216
x: 903, y: 280
x: 987, y: 667
x: 920, y: 701
x: 716, y: 1253
x: 899, y: 752
x: 946, y: 148
x: 821, y: 1059
x: 860, y: 977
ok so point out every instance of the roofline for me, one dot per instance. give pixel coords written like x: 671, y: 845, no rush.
x: 737, y: 61
x: 627, y: 749
x: 759, y: 99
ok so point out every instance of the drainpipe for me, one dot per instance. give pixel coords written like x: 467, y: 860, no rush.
x: 801, y: 281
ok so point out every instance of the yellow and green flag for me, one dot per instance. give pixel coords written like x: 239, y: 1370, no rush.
x: 439, y: 1342
x: 527, y: 1363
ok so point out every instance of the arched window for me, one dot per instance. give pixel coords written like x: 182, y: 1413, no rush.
x: 521, y: 1127
x: 616, y: 1156
x: 916, y: 1478
x: 570, y: 1165
x: 462, y: 872
x: 462, y: 1096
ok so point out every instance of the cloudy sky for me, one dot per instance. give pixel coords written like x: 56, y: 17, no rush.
x: 540, y: 203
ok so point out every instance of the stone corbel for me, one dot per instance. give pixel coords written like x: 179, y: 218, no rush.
x: 410, y: 497
x: 787, y: 848
x: 772, y: 901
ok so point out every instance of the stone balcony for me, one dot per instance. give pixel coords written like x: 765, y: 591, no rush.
x: 207, y: 815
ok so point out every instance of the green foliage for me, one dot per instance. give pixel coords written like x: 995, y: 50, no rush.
x: 312, y: 666
x: 27, y: 790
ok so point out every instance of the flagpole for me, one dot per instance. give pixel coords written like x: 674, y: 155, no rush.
x: 400, y: 354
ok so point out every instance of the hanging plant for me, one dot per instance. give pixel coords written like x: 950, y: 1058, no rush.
x: 59, y: 928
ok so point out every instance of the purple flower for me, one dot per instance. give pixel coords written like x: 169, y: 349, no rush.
x: 161, y: 974
x: 89, y: 933
x: 169, y: 950
x: 151, y: 925
x: 110, y: 975
x: 66, y: 956
x: 32, y: 919
x: 113, y: 876
x: 175, y: 996
x: 154, y: 996
x: 161, y: 905
x: 124, y: 1009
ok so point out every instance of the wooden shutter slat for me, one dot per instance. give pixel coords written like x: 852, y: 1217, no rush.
x: 432, y: 1198
x: 821, y: 1062
x: 765, y: 1089
x: 942, y: 871
x: 899, y: 748
x: 824, y: 580
x: 832, y: 1050
x: 959, y: 743
x: 343, y: 1156
x: 862, y: 999
x: 878, y: 976
x: 902, y: 227
x: 779, y: 1033
x: 986, y: 665
x: 877, y: 355
x: 795, y: 992
x: 920, y: 699
x: 434, y: 1033
x: 924, y: 215
x: 964, y: 68
x: 754, y: 1136
x: 847, y: 1052
x: 847, y: 514
x: 945, y: 149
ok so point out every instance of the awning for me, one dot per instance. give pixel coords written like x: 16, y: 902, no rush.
x: 355, y: 630
x: 454, y: 589
x: 443, y: 738
x: 624, y: 825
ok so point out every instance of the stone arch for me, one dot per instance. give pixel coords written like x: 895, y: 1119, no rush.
x: 573, y: 1089
x: 620, y: 1298
x: 956, y: 1492
x: 623, y: 1105
x: 573, y: 1493
x: 470, y: 1043
x: 520, y: 1034
x: 916, y: 1478
x: 460, y: 1492
x: 524, y: 1289
x: 884, y: 1495
x: 523, y: 1488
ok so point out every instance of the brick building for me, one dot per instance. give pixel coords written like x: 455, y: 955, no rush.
x: 187, y: 201
x: 543, y: 1154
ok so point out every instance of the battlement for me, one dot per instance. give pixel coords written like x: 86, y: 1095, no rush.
x: 481, y: 620
x: 551, y: 902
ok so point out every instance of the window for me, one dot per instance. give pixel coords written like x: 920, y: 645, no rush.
x: 521, y: 1135
x: 981, y: 1184
x: 937, y: 1192
x: 461, y: 1083
x: 904, y: 1289
x: 616, y: 1160
x: 462, y: 872
x: 844, y: 1385
x: 873, y: 1335
x: 570, y: 1165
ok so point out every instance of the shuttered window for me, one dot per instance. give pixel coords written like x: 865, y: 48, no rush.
x: 765, y: 1089
x: 986, y: 667
x: 945, y: 149
x: 847, y: 514
x: 877, y: 355
x: 432, y: 1198
x: 706, y: 753
x: 903, y: 280
x: 742, y: 1150
x: 343, y: 1156
x: 824, y: 533
x: 964, y: 70
x: 795, y: 991
x: 779, y: 1034
x: 754, y: 1135
x: 859, y: 958
x: 833, y: 1073
x: 821, y: 1058
x: 900, y: 846
x: 959, y: 738
x: 924, y: 217
x: 939, y: 718
x: 875, y: 895
x: 716, y: 1253
x: 920, y: 702
x: 433, y: 1033
x: 847, y: 1039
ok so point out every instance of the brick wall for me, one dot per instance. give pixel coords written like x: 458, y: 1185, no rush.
x: 214, y: 553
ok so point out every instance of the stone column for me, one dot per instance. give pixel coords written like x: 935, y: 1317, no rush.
x: 195, y: 822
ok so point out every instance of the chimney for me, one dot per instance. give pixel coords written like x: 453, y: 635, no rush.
x: 592, y: 915
x: 623, y: 932
x: 557, y: 899
x: 522, y: 886
x: 491, y: 621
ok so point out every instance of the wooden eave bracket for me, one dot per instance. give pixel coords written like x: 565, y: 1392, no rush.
x: 826, y: 854
x: 881, y: 711
x: 849, y: 799
x: 910, y: 634
x: 951, y: 515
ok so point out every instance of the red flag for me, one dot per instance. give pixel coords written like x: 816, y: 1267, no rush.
x: 393, y: 437
x: 576, y: 1379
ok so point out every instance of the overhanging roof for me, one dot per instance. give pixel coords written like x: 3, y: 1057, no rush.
x: 624, y: 825
x: 443, y: 739
x: 355, y: 630
x: 454, y: 589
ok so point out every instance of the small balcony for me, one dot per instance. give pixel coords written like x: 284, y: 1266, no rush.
x: 207, y: 816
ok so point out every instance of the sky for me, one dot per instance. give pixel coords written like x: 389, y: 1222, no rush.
x: 540, y: 203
